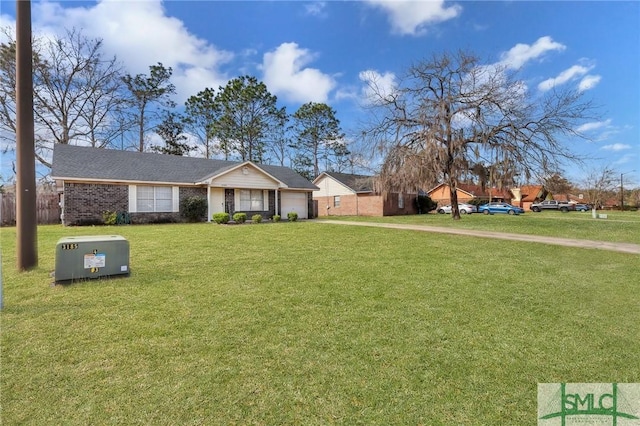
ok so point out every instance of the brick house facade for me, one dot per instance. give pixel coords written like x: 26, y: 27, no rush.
x: 151, y: 188
x: 342, y: 194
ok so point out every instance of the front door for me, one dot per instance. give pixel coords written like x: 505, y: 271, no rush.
x: 229, y: 201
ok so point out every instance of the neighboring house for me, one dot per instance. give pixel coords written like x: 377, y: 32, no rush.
x: 526, y: 195
x: 569, y: 198
x: 441, y: 194
x: 150, y: 187
x: 341, y: 194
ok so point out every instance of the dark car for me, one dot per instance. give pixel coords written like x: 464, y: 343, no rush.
x: 582, y: 208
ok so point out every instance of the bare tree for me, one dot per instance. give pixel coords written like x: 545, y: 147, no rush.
x: 600, y: 184
x: 451, y: 112
x: 77, y: 92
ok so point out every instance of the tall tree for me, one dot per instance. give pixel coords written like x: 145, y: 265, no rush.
x: 171, y: 130
x: 317, y: 137
x: 77, y: 92
x: 248, y: 120
x: 451, y: 111
x: 557, y: 184
x: 201, y: 113
x: 280, y: 146
x: 156, y: 88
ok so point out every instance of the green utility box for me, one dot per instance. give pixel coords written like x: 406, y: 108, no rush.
x: 79, y: 258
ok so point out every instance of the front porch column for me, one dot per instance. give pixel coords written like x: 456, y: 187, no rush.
x: 208, y: 203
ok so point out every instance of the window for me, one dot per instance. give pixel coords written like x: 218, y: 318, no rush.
x: 251, y: 200
x: 336, y: 201
x: 154, y: 199
x: 400, y: 201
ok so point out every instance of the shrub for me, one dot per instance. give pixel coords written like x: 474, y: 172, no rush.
x: 109, y: 217
x: 221, y: 218
x: 240, y: 217
x: 194, y: 209
x: 424, y: 204
x: 292, y: 216
x: 256, y: 218
x: 276, y: 218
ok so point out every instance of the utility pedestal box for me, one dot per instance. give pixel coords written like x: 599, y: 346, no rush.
x: 79, y: 258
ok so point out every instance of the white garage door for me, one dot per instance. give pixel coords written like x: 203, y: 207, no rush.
x: 294, y: 202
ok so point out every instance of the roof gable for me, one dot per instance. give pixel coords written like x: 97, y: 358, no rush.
x: 356, y: 183
x: 245, y: 172
x: 532, y: 192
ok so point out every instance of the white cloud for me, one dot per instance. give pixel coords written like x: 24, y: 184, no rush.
x: 413, y: 17
x: 522, y: 53
x: 377, y: 86
x: 594, y: 125
x: 588, y: 82
x: 316, y: 8
x: 285, y: 75
x: 616, y: 147
x: 140, y: 34
x: 565, y: 76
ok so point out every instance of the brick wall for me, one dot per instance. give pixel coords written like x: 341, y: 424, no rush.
x: 366, y: 205
x: 84, y: 204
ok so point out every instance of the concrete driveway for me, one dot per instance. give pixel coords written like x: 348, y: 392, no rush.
x: 569, y: 242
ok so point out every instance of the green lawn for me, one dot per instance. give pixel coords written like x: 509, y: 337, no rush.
x: 308, y: 323
x: 622, y: 227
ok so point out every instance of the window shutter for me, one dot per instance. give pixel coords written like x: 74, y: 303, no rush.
x: 176, y: 199
x: 265, y: 200
x: 132, y: 198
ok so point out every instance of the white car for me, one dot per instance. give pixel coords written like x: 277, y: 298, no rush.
x: 463, y: 207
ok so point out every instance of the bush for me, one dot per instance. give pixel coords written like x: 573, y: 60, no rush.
x: 276, y: 218
x: 221, y: 218
x: 424, y: 204
x: 194, y: 209
x: 256, y: 218
x: 478, y: 201
x: 109, y: 217
x: 240, y: 217
x: 292, y: 216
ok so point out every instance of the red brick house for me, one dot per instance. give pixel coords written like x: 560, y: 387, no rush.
x: 341, y: 194
x: 526, y: 195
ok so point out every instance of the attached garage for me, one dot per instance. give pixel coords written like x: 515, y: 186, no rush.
x: 294, y: 202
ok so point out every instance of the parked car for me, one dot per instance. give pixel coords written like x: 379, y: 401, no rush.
x: 582, y: 208
x: 499, y: 207
x: 562, y: 206
x: 463, y: 207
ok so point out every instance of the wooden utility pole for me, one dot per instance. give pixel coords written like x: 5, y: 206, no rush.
x: 26, y: 223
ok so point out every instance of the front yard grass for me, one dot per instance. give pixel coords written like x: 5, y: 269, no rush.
x: 305, y: 323
x: 621, y: 227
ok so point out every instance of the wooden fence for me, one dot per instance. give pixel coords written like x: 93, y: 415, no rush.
x: 47, y: 209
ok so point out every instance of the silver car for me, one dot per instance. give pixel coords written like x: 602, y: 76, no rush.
x: 463, y: 207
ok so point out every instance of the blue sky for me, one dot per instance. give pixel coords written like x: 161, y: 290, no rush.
x: 321, y: 51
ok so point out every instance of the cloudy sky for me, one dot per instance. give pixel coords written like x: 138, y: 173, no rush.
x: 326, y: 51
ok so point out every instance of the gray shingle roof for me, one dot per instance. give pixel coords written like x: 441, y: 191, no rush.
x: 358, y: 183
x: 80, y: 162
